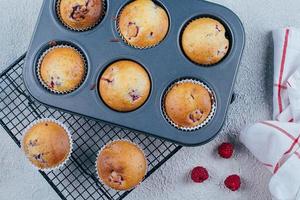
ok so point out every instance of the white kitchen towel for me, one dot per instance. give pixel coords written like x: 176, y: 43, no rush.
x: 286, y: 65
x: 276, y: 145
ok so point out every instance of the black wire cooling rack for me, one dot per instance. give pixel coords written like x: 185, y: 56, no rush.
x: 77, y: 179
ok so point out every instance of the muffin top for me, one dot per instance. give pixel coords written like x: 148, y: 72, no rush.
x: 62, y: 69
x: 142, y: 23
x: 46, y: 144
x: 204, y: 41
x: 80, y: 14
x: 188, y: 104
x: 124, y: 86
x: 121, y: 165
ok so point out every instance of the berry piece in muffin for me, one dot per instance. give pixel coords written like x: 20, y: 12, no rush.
x: 204, y: 41
x: 80, y: 14
x: 124, y: 86
x: 121, y: 165
x: 143, y: 23
x: 188, y: 104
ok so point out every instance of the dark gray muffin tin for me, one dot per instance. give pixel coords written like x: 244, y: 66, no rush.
x: 165, y: 63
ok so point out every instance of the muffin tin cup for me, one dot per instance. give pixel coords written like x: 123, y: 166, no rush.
x: 40, y: 60
x: 80, y: 30
x: 70, y: 140
x: 226, y: 32
x: 124, y: 39
x: 103, y: 147
x: 209, y: 117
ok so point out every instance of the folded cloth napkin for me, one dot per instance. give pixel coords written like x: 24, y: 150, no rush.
x: 276, y: 143
x: 286, y: 74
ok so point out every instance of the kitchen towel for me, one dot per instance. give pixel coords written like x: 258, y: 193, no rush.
x: 286, y: 90
x: 276, y: 143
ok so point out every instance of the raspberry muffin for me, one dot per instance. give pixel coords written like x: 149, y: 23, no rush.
x: 80, y: 14
x: 124, y: 86
x: 47, y: 144
x: 204, y: 41
x: 143, y: 24
x: 62, y: 69
x: 121, y: 165
x: 188, y: 104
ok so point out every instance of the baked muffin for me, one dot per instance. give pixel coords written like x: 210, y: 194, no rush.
x: 204, y: 41
x: 124, y: 86
x: 188, y: 104
x: 142, y: 23
x: 80, y: 14
x: 62, y: 69
x: 46, y: 144
x: 121, y: 165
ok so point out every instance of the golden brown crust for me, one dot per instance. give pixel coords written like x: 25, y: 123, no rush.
x: 204, y: 41
x: 62, y: 69
x: 81, y: 14
x: 124, y: 86
x: 188, y: 104
x: 121, y: 165
x: 143, y: 24
x: 46, y: 145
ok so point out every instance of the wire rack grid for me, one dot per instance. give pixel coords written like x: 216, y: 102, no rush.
x: 77, y: 179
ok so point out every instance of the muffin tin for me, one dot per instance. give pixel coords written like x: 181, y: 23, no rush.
x: 165, y: 63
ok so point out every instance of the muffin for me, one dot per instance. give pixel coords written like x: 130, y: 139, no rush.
x: 47, y: 144
x: 121, y: 165
x: 204, y: 41
x: 124, y: 86
x: 62, y: 69
x: 143, y: 24
x: 80, y: 14
x: 188, y: 104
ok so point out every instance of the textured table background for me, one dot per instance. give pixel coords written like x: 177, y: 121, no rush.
x: 19, y: 181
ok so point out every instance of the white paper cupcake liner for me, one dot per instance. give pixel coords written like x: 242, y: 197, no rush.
x: 126, y: 41
x: 104, y: 146
x: 84, y: 29
x: 60, y: 124
x: 41, y: 58
x: 209, y: 117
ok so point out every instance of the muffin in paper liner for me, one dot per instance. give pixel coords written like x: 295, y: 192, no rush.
x: 209, y: 117
x: 44, y: 120
x: 225, y: 50
x: 57, y: 10
x: 41, y: 58
x: 135, y: 46
x: 125, y: 85
x: 118, y: 140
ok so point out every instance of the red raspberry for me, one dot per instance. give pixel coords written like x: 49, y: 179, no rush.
x: 199, y: 174
x: 225, y: 150
x: 233, y: 182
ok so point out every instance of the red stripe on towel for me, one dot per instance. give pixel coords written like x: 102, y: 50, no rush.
x: 279, y: 129
x: 267, y: 165
x: 292, y: 146
x: 297, y: 154
x: 295, y: 141
x: 281, y: 86
x: 286, y: 40
x: 280, y: 162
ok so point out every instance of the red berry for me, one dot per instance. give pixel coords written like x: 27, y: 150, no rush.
x: 199, y: 174
x: 225, y: 150
x: 233, y: 182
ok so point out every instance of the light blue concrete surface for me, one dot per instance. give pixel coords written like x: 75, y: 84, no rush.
x: 18, y: 181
